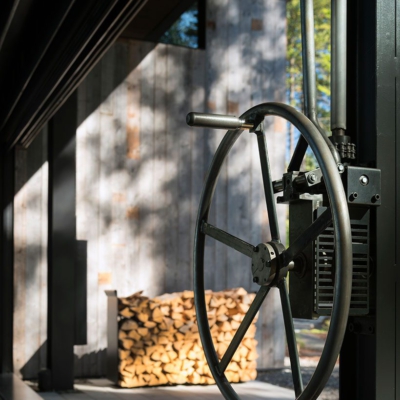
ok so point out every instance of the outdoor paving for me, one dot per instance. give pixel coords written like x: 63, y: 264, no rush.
x: 99, y: 389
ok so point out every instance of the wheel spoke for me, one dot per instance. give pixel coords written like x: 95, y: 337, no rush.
x: 232, y: 241
x: 310, y: 234
x: 267, y: 181
x: 298, y: 155
x: 291, y: 338
x: 244, y: 326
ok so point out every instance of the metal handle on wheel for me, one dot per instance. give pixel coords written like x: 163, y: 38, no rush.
x: 217, y: 121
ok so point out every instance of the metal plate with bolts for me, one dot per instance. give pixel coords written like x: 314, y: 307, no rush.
x: 363, y: 186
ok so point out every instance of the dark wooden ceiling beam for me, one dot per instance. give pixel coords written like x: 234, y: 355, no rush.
x: 43, y: 59
x: 7, y: 11
x: 100, y: 43
x: 79, y: 26
x: 18, y: 67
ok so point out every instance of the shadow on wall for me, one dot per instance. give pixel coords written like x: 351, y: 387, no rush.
x: 32, y: 367
x: 140, y: 169
x: 83, y: 364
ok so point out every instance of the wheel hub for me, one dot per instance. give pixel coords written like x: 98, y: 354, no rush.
x: 265, y: 264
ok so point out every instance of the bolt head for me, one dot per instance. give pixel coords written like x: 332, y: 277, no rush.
x: 312, y: 178
x: 340, y: 167
x: 364, y: 180
x: 375, y: 198
x: 353, y: 196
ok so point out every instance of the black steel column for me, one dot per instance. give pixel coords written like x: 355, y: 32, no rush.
x: 62, y: 245
x: 387, y: 222
x: 6, y: 259
x: 370, y: 354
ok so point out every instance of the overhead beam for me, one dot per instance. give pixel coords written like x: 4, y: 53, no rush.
x: 35, y: 39
x: 71, y: 39
x: 7, y: 11
x: 99, y: 44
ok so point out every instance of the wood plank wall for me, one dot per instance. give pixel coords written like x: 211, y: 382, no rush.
x: 140, y: 171
x: 30, y: 258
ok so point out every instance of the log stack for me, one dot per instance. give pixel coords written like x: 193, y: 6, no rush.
x: 159, y: 342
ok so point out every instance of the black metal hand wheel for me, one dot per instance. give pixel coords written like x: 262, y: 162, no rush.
x: 270, y: 261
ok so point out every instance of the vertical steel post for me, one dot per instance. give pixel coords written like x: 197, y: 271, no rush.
x: 339, y: 66
x: 308, y: 59
x: 370, y: 361
x: 6, y: 259
x: 62, y: 245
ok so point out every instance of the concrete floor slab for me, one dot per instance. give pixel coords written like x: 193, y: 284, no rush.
x: 13, y: 388
x: 99, y: 389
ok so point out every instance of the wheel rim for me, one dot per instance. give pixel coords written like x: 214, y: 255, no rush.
x: 343, y: 247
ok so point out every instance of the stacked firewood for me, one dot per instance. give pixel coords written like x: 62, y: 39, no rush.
x: 159, y: 342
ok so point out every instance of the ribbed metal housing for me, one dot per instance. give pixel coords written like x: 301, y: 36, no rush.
x: 324, y: 266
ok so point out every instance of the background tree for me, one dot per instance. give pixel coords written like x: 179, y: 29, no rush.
x: 184, y: 31
x: 322, y: 19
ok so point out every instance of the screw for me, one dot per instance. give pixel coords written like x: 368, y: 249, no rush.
x: 255, y: 279
x: 375, y: 198
x: 353, y: 196
x: 312, y: 178
x: 364, y: 180
x: 340, y: 168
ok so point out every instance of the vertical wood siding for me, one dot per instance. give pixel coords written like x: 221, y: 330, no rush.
x: 30, y: 258
x: 140, y: 171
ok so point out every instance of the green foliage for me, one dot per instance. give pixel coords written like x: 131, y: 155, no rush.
x: 310, y: 162
x: 184, y: 32
x: 322, y: 13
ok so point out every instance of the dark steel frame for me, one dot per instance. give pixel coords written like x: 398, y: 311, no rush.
x: 369, y: 367
x: 62, y: 246
x: 6, y: 260
x: 387, y: 136
x: 80, y: 289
